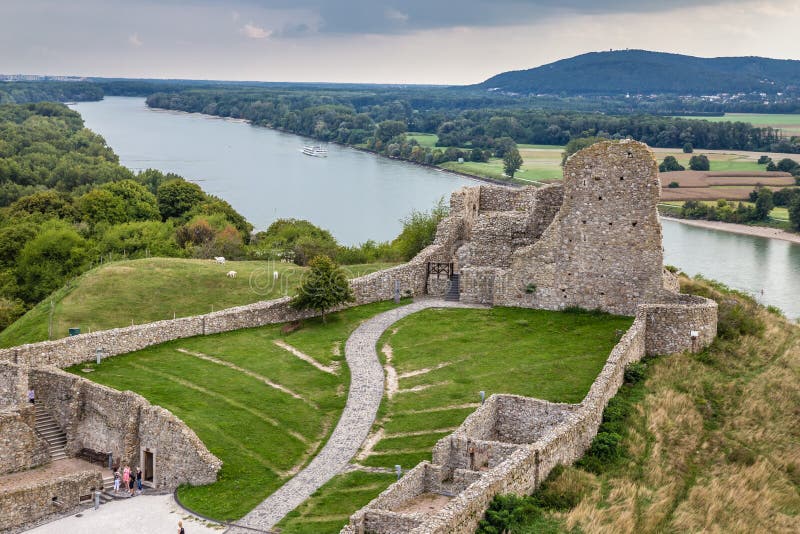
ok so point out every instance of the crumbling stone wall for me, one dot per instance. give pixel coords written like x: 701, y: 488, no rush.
x: 122, y: 423
x: 603, y: 249
x: 531, y: 437
x: 25, y: 504
x: 13, y: 386
x: 20, y: 447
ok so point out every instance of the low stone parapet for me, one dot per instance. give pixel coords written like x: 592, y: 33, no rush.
x: 24, y: 504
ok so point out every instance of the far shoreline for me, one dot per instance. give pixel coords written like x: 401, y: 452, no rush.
x: 743, y: 229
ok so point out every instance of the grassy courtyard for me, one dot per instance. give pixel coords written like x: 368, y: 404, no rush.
x: 140, y: 291
x: 216, y: 385
x: 443, y: 358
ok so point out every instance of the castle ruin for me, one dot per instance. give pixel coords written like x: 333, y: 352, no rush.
x: 593, y: 241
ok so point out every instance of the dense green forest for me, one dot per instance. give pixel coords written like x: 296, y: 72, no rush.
x: 66, y: 204
x: 643, y: 72
x: 25, y: 92
x: 358, y: 119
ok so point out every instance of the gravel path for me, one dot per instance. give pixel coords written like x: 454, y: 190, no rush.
x: 363, y: 400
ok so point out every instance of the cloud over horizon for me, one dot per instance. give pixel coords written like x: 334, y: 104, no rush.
x: 413, y: 41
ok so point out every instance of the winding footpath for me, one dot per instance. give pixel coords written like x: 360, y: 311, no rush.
x: 363, y: 400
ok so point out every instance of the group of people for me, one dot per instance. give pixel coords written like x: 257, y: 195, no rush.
x: 131, y: 481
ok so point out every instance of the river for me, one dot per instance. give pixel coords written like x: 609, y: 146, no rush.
x: 359, y: 196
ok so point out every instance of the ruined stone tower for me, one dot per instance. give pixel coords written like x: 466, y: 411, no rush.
x: 593, y: 241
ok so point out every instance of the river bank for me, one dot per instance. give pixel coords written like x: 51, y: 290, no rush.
x: 758, y: 231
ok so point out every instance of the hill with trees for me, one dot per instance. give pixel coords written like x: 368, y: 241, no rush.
x: 643, y: 72
x: 67, y: 204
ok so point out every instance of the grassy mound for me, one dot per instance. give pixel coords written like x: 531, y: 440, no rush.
x: 216, y: 384
x: 140, y: 291
x: 706, y: 441
x: 443, y: 358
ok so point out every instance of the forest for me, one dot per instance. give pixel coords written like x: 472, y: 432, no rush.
x: 67, y: 204
x: 356, y: 118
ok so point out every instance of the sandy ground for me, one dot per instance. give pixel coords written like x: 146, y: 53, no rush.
x: 151, y: 514
x: 760, y: 231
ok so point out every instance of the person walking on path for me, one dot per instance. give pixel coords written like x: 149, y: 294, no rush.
x: 31, y: 396
x: 116, y: 481
x: 139, y: 479
x: 180, y: 527
x: 132, y: 482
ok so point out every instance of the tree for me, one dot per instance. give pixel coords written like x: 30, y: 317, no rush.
x: 576, y: 144
x: 324, y: 287
x: 99, y: 205
x: 787, y: 165
x: 764, y: 203
x: 794, y: 213
x: 419, y: 230
x: 670, y: 164
x: 388, y: 130
x: 512, y: 161
x: 177, y: 197
x: 139, y: 203
x: 699, y: 163
x: 47, y: 260
x: 688, y: 148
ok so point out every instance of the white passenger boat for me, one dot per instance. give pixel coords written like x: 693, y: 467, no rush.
x: 315, y: 150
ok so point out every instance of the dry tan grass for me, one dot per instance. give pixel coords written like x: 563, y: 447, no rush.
x: 714, y: 447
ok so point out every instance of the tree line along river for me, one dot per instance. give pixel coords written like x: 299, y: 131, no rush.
x: 359, y: 196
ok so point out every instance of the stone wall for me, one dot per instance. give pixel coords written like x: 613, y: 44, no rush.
x: 122, y: 423
x: 525, y: 437
x: 671, y: 323
x: 13, y: 385
x: 26, y: 504
x: 20, y: 447
x: 71, y: 350
x: 603, y: 249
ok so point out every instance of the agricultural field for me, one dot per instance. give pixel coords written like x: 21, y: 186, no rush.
x: 713, y: 185
x: 789, y: 123
x: 141, y: 291
x: 216, y: 385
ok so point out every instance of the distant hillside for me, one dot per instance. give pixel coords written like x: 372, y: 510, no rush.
x: 643, y: 72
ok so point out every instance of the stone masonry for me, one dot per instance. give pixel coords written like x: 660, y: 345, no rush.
x: 593, y: 241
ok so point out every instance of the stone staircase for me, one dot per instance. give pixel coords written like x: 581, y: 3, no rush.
x: 452, y: 289
x: 108, y: 489
x: 48, y: 429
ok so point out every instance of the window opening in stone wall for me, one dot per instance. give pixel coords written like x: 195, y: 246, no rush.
x: 600, y: 198
x: 633, y: 223
x: 621, y: 178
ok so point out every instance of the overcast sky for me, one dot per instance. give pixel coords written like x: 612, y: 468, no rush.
x: 409, y: 41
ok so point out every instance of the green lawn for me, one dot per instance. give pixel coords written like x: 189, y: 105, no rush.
x: 550, y: 355
x: 424, y: 139
x: 329, y: 508
x: 262, y: 435
x: 530, y: 171
x: 146, y: 290
x: 544, y: 354
x: 788, y: 122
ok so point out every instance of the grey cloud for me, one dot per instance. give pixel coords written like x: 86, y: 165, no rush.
x: 402, y: 16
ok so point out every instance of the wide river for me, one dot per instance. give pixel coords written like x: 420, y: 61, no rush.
x: 359, y: 196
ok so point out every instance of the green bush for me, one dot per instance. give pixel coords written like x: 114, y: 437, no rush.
x: 635, y: 372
